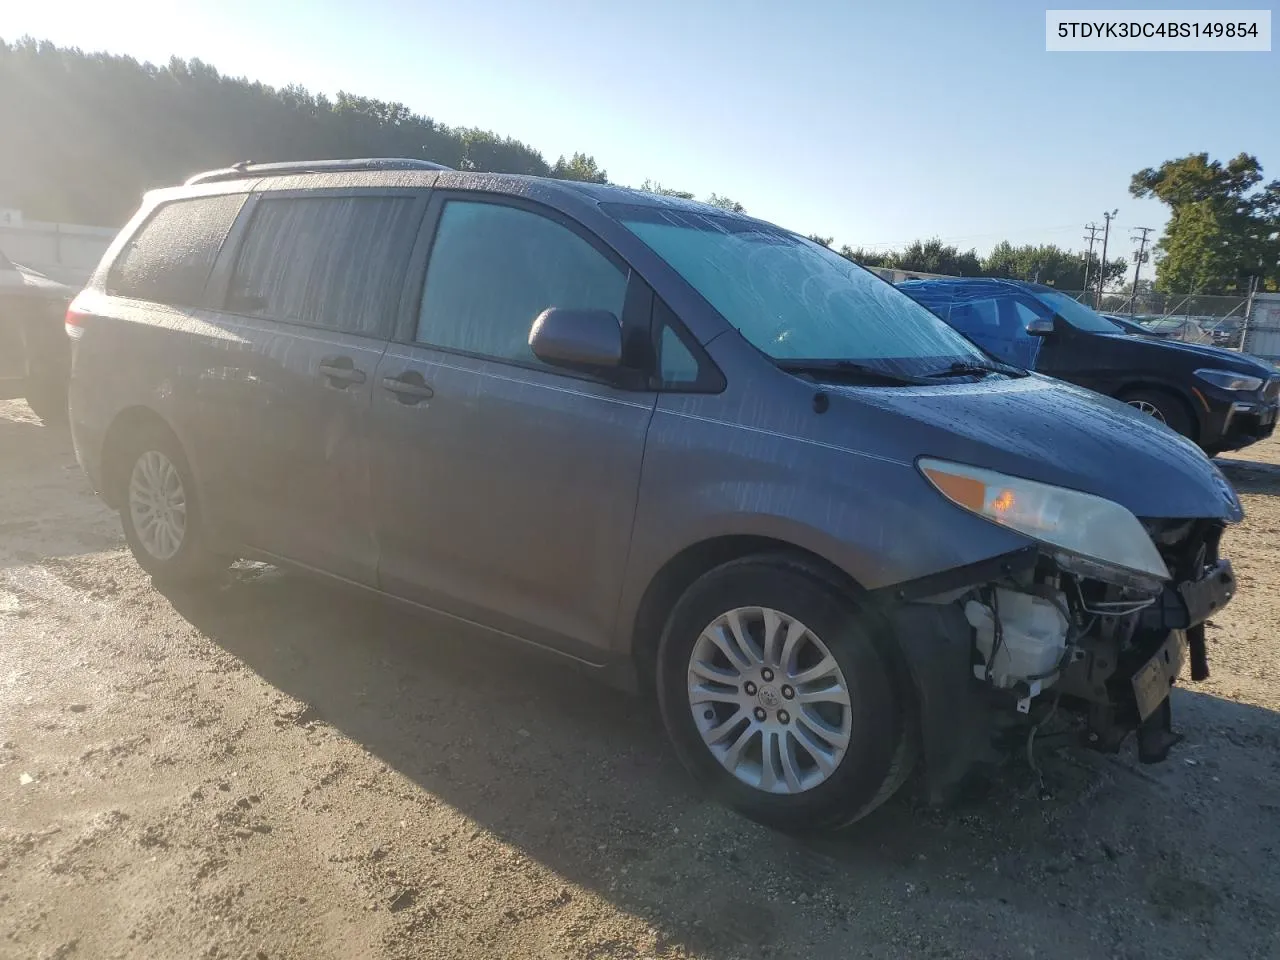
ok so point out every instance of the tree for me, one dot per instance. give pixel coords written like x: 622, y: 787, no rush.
x: 933, y: 256
x: 83, y: 135
x: 821, y: 241
x: 1048, y: 264
x: 579, y: 167
x: 868, y: 258
x: 652, y: 186
x: 724, y: 203
x: 1224, y: 225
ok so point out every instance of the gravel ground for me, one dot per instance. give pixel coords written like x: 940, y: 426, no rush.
x: 279, y: 770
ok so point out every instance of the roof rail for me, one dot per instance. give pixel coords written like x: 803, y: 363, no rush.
x: 247, y: 168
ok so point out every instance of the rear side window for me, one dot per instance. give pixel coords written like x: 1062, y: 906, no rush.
x: 494, y: 268
x: 977, y: 318
x: 333, y: 262
x: 168, y: 260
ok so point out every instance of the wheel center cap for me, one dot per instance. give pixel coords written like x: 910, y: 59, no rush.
x: 769, y: 698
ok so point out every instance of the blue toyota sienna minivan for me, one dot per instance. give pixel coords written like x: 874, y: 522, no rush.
x: 688, y: 450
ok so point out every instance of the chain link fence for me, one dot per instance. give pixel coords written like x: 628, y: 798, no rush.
x: 1195, y: 318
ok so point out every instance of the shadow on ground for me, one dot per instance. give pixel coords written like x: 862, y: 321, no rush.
x: 1251, y: 476
x: 579, y: 777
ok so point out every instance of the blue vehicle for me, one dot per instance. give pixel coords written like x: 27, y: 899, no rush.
x: 1221, y: 400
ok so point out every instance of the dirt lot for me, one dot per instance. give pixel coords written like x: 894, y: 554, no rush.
x: 280, y: 770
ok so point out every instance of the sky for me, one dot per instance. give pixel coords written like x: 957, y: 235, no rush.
x: 874, y: 123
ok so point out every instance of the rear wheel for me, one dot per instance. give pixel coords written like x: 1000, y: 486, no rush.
x: 778, y: 701
x: 1164, y: 407
x: 161, y: 514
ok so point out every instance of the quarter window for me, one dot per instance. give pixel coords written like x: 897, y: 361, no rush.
x: 494, y: 268
x: 333, y: 262
x: 676, y: 364
x: 168, y: 260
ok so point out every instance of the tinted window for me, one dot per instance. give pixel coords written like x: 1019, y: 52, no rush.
x: 1076, y: 313
x: 335, y: 262
x: 975, y: 318
x: 168, y: 260
x: 1024, y: 313
x: 792, y: 298
x: 494, y: 268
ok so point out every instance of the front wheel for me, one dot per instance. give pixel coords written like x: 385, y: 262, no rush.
x: 1163, y: 407
x: 161, y: 515
x: 777, y: 699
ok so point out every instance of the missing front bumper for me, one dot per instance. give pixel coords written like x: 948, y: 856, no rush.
x: 1118, y: 678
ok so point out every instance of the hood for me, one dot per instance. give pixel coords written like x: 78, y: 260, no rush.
x: 1220, y: 357
x: 1046, y: 430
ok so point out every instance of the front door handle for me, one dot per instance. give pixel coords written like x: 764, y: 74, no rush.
x: 341, y: 372
x: 408, y: 387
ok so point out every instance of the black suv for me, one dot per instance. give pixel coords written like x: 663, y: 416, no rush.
x: 35, y: 359
x: 1220, y: 399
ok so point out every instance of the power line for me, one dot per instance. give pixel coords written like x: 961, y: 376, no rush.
x: 1139, y: 255
x: 966, y: 236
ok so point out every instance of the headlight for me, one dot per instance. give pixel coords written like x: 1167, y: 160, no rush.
x: 1080, y: 523
x: 1228, y: 380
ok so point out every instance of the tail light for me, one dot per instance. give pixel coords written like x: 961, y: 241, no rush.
x: 74, y: 322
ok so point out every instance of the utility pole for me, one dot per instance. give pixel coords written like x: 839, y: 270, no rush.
x: 1139, y: 256
x: 1248, y: 314
x: 1102, y: 267
x: 1088, y: 259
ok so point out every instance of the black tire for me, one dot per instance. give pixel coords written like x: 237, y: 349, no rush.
x: 1171, y: 410
x: 194, y: 564
x: 882, y: 748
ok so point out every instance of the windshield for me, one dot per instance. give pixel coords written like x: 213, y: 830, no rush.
x: 795, y: 299
x: 1076, y: 313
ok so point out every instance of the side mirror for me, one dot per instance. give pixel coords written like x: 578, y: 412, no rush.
x: 579, y: 339
x: 1040, y: 327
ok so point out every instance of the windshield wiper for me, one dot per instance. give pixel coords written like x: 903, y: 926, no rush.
x: 962, y: 367
x: 846, y: 370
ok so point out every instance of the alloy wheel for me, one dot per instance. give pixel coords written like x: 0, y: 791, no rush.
x: 769, y: 699
x: 1149, y: 408
x: 158, y: 505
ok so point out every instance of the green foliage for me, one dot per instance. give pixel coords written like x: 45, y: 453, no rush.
x: 652, y: 186
x: 1049, y: 264
x: 715, y: 200
x: 923, y: 256
x: 85, y: 134
x: 934, y: 256
x: 724, y: 203
x: 579, y: 167
x: 822, y: 241
x: 868, y: 258
x: 1224, y: 225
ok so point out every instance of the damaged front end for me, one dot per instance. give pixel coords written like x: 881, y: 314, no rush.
x: 997, y: 647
